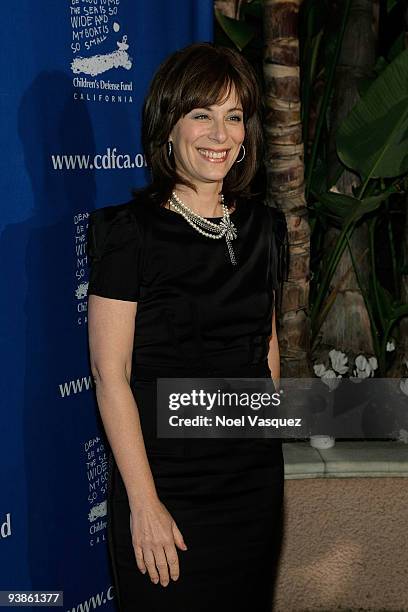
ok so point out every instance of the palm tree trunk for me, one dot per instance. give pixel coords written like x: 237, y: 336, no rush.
x: 285, y: 176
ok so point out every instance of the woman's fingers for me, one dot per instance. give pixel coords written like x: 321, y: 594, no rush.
x: 161, y: 564
x: 138, y: 551
x: 172, y: 560
x: 178, y: 536
x: 151, y: 564
x: 140, y: 559
x: 155, y: 536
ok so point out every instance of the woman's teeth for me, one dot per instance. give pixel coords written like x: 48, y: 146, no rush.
x: 213, y: 155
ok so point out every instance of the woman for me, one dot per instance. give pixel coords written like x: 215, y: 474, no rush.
x: 182, y: 285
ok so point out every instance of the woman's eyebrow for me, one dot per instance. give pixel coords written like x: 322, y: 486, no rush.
x: 236, y: 108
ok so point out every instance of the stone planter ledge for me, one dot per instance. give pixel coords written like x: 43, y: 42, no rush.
x: 347, y: 459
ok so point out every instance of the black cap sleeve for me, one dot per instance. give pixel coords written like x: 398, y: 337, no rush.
x: 114, y: 252
x: 279, y: 263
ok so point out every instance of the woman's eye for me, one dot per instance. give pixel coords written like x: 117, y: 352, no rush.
x: 236, y: 118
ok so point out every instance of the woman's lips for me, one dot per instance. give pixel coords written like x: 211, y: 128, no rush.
x: 215, y: 157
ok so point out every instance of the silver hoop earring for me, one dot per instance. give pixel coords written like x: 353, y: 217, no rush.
x: 243, y: 155
x: 169, y: 148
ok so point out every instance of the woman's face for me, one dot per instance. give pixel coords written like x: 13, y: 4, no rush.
x: 207, y: 141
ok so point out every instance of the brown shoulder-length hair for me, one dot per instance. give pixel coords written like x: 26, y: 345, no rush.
x: 198, y: 76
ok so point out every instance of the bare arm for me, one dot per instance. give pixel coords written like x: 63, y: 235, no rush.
x: 111, y: 328
x: 111, y: 325
x: 273, y: 354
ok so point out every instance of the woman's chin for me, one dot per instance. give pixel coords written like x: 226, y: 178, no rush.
x: 215, y: 174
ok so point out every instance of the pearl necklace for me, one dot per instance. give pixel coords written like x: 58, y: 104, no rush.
x: 219, y: 230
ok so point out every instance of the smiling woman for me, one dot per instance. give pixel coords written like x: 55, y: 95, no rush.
x: 183, y: 281
x: 203, y: 104
x: 206, y: 144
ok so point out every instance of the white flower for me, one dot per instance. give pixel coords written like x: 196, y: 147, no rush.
x: 391, y: 345
x: 404, y: 385
x: 361, y: 362
x: 365, y: 368
x: 339, y: 361
x: 403, y: 436
x: 362, y: 373
x: 330, y: 378
x: 329, y: 374
x: 319, y: 369
x: 374, y: 364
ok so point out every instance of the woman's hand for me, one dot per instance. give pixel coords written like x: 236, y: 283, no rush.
x: 154, y: 535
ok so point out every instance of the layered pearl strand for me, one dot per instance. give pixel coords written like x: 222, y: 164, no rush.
x: 205, y: 226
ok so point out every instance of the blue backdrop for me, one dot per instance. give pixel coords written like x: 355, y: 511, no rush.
x: 74, y: 75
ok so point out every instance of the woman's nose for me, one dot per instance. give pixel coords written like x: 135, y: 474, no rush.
x: 218, y: 130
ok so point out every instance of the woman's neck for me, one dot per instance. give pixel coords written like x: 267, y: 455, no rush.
x: 205, y: 202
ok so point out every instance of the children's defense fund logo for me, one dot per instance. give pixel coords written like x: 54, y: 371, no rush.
x: 95, y: 25
x: 96, y: 64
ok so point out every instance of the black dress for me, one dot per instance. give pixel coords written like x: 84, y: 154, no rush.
x: 197, y: 316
